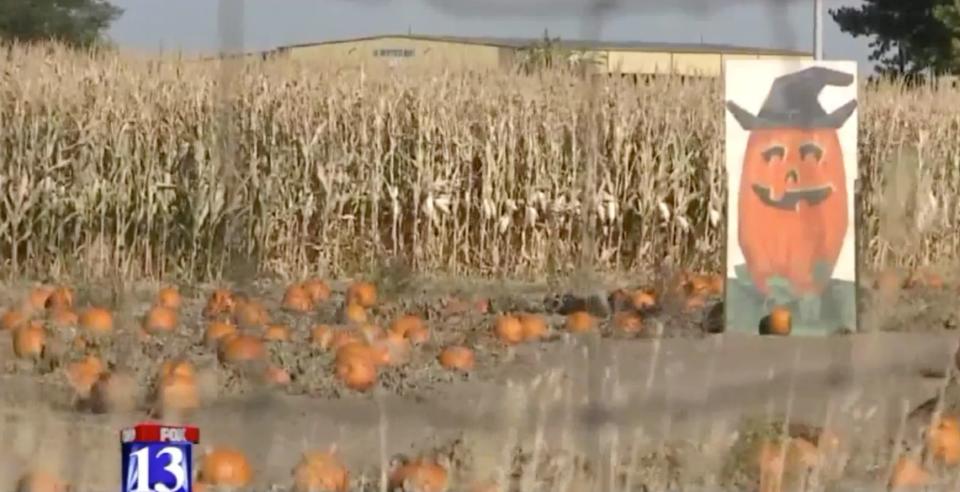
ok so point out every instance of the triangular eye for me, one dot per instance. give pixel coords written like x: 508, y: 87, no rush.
x: 773, y: 151
x: 810, y: 149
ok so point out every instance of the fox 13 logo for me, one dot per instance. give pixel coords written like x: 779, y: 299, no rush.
x: 157, y: 467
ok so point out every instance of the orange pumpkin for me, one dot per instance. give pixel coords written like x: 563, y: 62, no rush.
x: 318, y: 290
x: 60, y: 298
x: 240, y: 348
x: 628, y: 322
x: 778, y: 322
x: 276, y: 375
x: 220, y: 303
x: 356, y: 369
x: 41, y: 481
x: 29, y: 340
x: 217, y: 330
x: 943, y: 440
x: 177, y: 367
x: 457, y: 358
x: 362, y: 293
x: 340, y: 338
x: 275, y: 332
x: 37, y: 298
x: 249, y: 313
x: 96, y: 321
x: 394, y: 348
x: 908, y: 474
x: 354, y: 313
x: 412, y: 327
x: 508, y: 329
x: 775, y: 462
x: 82, y: 374
x: 643, y: 299
x: 580, y: 322
x: 297, y: 299
x: 320, y: 471
x: 534, y: 326
x: 12, y: 318
x: 421, y: 475
x: 226, y: 467
x: 160, y: 319
x: 169, y: 298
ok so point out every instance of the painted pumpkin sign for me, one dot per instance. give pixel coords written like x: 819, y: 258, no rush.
x: 791, y: 165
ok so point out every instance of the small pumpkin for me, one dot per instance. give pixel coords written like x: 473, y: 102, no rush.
x: 96, y: 321
x: 38, y: 480
x: 238, y: 347
x: 362, y: 293
x: 628, y: 322
x: 249, y: 313
x: 534, y: 326
x: 457, y: 358
x: 169, y: 297
x: 12, y: 318
x: 37, y: 298
x: 220, y: 303
x: 60, y: 298
x: 321, y: 471
x: 216, y: 330
x: 276, y: 332
x: 296, y: 299
x: 508, y: 329
x: 29, y: 340
x: 642, y: 299
x: 160, y: 319
x: 943, y: 440
x: 422, y: 475
x: 321, y: 335
x: 354, y: 313
x: 580, y: 322
x: 225, y: 467
x: 82, y: 374
x: 357, y: 371
x: 318, y: 290
x: 908, y: 474
x: 392, y: 349
x: 412, y: 327
x: 778, y: 322
x: 276, y: 375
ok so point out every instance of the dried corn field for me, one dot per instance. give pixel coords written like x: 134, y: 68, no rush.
x: 125, y: 164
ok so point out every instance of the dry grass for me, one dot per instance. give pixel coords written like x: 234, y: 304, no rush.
x: 113, y: 167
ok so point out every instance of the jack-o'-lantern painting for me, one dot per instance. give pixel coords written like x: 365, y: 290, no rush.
x: 791, y: 167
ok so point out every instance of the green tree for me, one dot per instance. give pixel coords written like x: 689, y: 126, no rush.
x: 908, y: 38
x: 949, y: 15
x: 75, y: 22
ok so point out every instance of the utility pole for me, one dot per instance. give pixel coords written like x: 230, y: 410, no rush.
x: 818, y: 29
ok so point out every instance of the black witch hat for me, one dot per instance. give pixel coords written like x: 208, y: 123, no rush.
x: 792, y: 102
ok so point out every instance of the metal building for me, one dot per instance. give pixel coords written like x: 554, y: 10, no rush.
x: 476, y: 53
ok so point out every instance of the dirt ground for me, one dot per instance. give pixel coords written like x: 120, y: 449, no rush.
x: 661, y: 410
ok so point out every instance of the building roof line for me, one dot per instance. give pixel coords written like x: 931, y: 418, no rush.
x: 576, y: 44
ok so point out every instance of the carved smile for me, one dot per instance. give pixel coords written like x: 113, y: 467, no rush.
x: 791, y: 198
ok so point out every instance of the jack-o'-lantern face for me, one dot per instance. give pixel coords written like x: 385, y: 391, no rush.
x: 791, y: 169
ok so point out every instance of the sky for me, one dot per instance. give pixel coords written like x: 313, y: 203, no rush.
x: 192, y: 25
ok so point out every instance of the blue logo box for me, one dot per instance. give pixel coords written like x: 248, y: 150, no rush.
x: 157, y: 458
